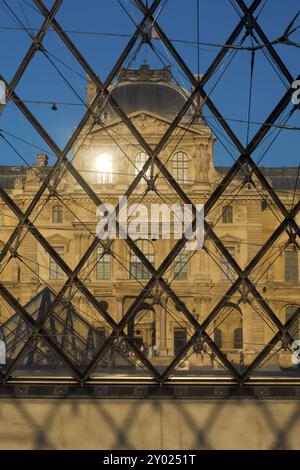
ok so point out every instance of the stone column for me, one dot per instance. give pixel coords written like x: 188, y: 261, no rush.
x: 78, y: 237
x: 163, y: 329
x: 16, y: 270
x: 85, y: 243
x: 120, y: 273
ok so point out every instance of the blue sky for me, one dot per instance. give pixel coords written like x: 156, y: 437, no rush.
x: 228, y: 88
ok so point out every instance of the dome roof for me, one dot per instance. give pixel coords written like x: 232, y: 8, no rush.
x: 148, y: 89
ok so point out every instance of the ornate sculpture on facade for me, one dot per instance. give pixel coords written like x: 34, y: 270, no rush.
x: 19, y: 183
x: 202, y: 163
x: 145, y: 74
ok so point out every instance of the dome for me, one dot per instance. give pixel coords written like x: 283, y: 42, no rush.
x: 150, y: 90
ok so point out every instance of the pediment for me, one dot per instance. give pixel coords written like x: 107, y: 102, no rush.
x: 58, y: 239
x: 148, y: 122
x: 229, y: 238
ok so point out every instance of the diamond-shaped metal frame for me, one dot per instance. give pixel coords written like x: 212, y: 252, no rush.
x: 63, y: 165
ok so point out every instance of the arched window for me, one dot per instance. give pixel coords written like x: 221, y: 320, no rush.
x: 294, y: 328
x: 139, y: 161
x: 238, y: 338
x: 103, y: 264
x: 180, y: 167
x: 137, y: 268
x: 57, y: 214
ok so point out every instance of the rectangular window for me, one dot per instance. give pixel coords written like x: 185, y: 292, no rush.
x: 181, y: 266
x: 291, y: 266
x: 180, y: 167
x: 56, y: 272
x: 137, y: 269
x: 180, y: 340
x: 238, y: 338
x: 227, y: 271
x: 103, y: 265
x: 57, y: 215
x: 227, y: 215
x: 218, y: 337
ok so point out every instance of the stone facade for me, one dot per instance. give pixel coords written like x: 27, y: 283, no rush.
x: 67, y: 219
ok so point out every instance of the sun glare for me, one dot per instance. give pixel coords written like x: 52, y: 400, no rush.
x: 104, y: 163
x: 104, y: 168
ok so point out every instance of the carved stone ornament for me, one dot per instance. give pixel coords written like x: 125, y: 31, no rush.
x: 19, y: 183
x: 202, y: 163
x: 145, y: 74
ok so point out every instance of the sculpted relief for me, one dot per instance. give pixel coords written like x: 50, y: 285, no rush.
x: 202, y: 163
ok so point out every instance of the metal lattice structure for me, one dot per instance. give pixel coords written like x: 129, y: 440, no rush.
x: 37, y: 325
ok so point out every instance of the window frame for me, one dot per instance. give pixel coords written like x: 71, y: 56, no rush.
x: 105, y: 263
x: 181, y: 261
x: 180, y: 167
x: 227, y: 214
x: 57, y: 214
x: 238, y: 339
x: 139, y: 161
x: 179, y: 341
x: 137, y: 270
x: 291, y: 272
x: 55, y: 271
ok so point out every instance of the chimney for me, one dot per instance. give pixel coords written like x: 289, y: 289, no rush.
x: 42, y: 159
